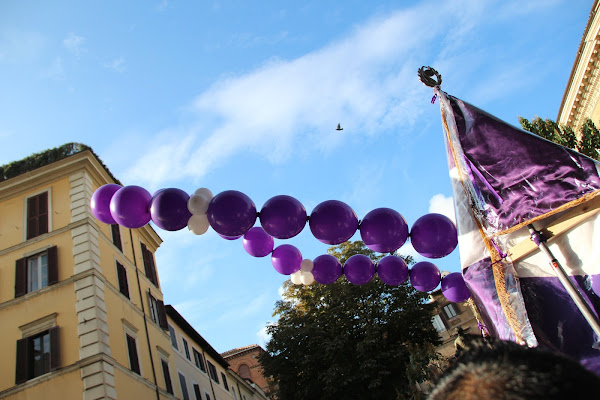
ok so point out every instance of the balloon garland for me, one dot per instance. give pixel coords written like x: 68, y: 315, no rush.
x: 232, y: 215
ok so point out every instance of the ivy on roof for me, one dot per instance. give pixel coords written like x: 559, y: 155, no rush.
x: 46, y: 157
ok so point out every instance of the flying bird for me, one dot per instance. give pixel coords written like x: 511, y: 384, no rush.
x: 339, y: 128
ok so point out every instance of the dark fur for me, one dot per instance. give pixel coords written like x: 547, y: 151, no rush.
x: 494, y: 369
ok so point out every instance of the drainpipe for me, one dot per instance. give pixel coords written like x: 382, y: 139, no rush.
x: 209, y: 377
x: 137, y: 275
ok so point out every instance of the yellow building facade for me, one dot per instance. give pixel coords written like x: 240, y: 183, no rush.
x: 201, y: 372
x: 80, y: 301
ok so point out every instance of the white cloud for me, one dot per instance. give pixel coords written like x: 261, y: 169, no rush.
x: 74, y: 43
x: 441, y: 204
x: 117, y: 65
x: 365, y: 81
x: 263, y: 336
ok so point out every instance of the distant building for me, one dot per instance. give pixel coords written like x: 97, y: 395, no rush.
x: 448, y: 318
x: 582, y: 95
x: 202, y: 373
x: 244, y: 361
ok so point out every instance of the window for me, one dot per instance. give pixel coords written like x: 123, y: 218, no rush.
x: 37, y: 355
x: 122, y: 276
x: 36, y: 272
x: 224, y: 381
x: 186, y: 348
x: 437, y: 324
x: 173, y: 337
x: 244, y: 371
x: 167, y: 376
x: 37, y: 215
x: 134, y: 363
x: 212, y: 371
x: 184, y: 390
x: 197, y: 392
x: 207, y: 396
x: 116, y: 236
x: 157, y: 311
x: 199, y: 360
x: 149, y: 266
x: 450, y: 311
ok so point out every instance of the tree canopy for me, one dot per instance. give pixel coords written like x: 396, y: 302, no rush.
x: 342, y: 341
x: 586, y: 142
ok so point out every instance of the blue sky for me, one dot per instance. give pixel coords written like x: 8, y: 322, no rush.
x: 233, y: 95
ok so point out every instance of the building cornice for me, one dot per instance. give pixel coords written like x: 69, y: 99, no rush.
x: 581, y: 94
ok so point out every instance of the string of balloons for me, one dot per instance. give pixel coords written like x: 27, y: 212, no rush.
x: 232, y: 214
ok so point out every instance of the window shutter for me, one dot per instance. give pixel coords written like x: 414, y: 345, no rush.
x: 31, y: 217
x: 52, y: 266
x: 21, y: 277
x: 133, y: 357
x: 54, y: 349
x: 162, y: 315
x: 116, y: 236
x: 154, y: 278
x: 22, y: 373
x: 42, y: 213
x: 122, y: 276
x: 147, y: 268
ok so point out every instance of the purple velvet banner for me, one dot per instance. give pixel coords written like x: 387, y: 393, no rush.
x: 519, y: 175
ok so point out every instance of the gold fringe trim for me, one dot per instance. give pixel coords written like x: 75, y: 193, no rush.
x: 497, y: 266
x: 566, y: 206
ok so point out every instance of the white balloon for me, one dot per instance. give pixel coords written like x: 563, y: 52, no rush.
x: 307, y: 278
x: 205, y: 192
x: 306, y: 265
x: 198, y: 224
x: 295, y: 277
x: 198, y: 204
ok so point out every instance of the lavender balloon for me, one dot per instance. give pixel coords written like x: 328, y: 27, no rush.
x: 434, y: 236
x: 383, y: 230
x: 257, y: 242
x: 359, y: 269
x: 231, y: 213
x: 286, y: 259
x: 454, y: 288
x: 169, y: 210
x: 283, y: 217
x: 100, y: 203
x: 326, y: 269
x: 595, y: 284
x: 424, y: 276
x: 333, y: 222
x: 392, y: 270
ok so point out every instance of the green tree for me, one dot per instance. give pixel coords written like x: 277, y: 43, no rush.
x: 588, y: 142
x: 343, y: 341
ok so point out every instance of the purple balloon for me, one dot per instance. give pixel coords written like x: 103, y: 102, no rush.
x: 169, y: 210
x: 424, y: 276
x: 231, y: 213
x: 454, y: 288
x: 229, y: 237
x: 130, y: 206
x: 283, y: 217
x: 392, y: 270
x: 257, y: 242
x: 333, y: 222
x: 434, y: 236
x: 383, y: 230
x: 326, y: 269
x: 100, y: 203
x: 359, y: 269
x: 286, y: 259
